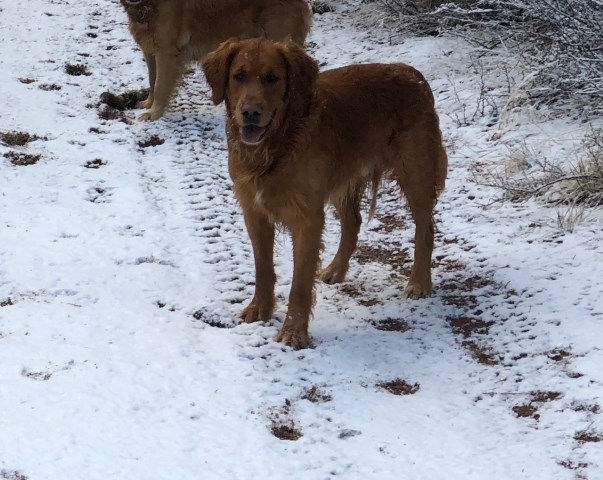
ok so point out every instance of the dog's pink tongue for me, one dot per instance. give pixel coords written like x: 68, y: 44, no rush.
x: 251, y: 133
x: 142, y: 25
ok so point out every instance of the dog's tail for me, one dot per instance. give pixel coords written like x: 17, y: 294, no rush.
x: 375, y: 182
x: 441, y: 170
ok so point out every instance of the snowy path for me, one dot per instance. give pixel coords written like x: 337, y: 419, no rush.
x: 122, y: 269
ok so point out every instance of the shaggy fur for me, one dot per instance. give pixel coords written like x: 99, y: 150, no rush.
x: 298, y: 140
x: 173, y: 33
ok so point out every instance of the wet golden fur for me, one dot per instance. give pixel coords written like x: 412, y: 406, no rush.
x: 298, y: 140
x: 173, y: 33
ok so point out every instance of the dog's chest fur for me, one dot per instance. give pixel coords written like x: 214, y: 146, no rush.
x: 282, y: 194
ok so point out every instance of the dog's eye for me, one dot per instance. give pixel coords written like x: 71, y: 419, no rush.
x: 239, y: 77
x: 271, y: 78
x: 133, y: 2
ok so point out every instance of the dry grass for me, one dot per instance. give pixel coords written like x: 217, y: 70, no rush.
x: 76, y: 69
x: 572, y: 187
x: 16, y: 138
x: 555, y: 41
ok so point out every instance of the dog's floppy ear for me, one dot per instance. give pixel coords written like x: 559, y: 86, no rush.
x: 302, y: 72
x: 216, y: 67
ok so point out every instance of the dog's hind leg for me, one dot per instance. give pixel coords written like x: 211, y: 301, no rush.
x: 419, y: 283
x: 350, y: 219
x: 417, y: 177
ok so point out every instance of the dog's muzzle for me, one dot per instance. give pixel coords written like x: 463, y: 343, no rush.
x: 251, y: 132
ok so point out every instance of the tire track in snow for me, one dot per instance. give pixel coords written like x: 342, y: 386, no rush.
x: 185, y: 179
x: 216, y: 223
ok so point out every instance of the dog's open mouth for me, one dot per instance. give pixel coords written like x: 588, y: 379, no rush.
x: 252, y: 134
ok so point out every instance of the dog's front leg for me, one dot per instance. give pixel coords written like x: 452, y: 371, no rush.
x: 150, y: 60
x: 306, y: 251
x: 261, y: 233
x: 168, y: 70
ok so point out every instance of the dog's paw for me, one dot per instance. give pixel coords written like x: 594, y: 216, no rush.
x: 252, y: 313
x: 150, y: 115
x: 332, y: 274
x: 296, y: 339
x: 144, y: 103
x: 416, y: 290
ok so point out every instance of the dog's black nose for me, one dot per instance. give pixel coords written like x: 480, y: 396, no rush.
x: 251, y: 116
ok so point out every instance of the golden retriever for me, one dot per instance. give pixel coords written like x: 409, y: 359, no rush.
x: 298, y: 140
x: 173, y: 33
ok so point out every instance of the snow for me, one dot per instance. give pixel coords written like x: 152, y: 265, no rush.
x: 115, y: 281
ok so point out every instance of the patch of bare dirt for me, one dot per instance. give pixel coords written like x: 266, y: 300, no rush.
x: 544, y: 397
x: 21, y: 159
x: 283, y: 426
x: 390, y: 223
x: 320, y: 8
x: 467, y: 326
x: 12, y: 475
x: 391, y: 325
x: 50, y: 87
x: 481, y: 354
x: 588, y: 437
x: 359, y: 296
x: 161, y: 304
x: 450, y: 265
x: 387, y: 253
x: 526, y: 411
x: 348, y: 433
x: 42, y: 376
x: 286, y: 432
x: 571, y: 465
x: 26, y: 80
x: 530, y: 409
x: 152, y: 141
x: 110, y: 113
x: 96, y: 163
x: 559, y: 354
x: 211, y: 320
x: 467, y: 284
x: 315, y: 394
x: 586, y: 407
x: 399, y: 387
x: 6, y: 302
x: 461, y: 301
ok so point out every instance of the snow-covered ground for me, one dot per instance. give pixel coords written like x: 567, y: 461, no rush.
x: 123, y: 268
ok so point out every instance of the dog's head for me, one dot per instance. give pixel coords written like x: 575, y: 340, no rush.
x: 262, y: 82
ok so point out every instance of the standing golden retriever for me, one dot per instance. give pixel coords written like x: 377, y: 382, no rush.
x: 298, y: 140
x: 173, y: 33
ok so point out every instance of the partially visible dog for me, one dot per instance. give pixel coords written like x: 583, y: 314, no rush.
x: 298, y: 140
x: 173, y: 33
